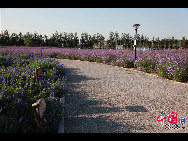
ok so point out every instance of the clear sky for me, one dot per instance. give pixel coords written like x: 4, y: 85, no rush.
x: 157, y: 22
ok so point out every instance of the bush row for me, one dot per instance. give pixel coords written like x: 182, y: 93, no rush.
x: 19, y: 90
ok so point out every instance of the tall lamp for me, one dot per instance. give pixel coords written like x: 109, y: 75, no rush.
x: 136, y: 26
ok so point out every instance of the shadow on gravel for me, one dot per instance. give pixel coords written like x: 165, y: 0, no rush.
x: 97, y: 125
x: 74, y: 77
x: 136, y: 109
x: 83, y: 115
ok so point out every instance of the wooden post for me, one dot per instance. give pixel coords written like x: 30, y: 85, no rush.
x: 1, y: 96
x: 38, y: 72
x: 39, y: 110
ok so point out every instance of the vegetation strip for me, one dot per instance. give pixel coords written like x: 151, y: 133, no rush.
x: 171, y: 64
x: 88, y: 41
x: 20, y: 89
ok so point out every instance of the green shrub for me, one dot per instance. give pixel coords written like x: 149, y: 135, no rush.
x: 162, y: 71
x: 28, y: 41
x: 19, y: 90
x: 146, y: 65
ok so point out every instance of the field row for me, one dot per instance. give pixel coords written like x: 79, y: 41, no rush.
x: 171, y: 64
x: 20, y: 87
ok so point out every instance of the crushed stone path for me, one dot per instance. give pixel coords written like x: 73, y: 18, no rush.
x: 102, y: 98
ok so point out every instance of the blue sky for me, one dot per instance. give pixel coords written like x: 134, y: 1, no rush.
x: 157, y: 22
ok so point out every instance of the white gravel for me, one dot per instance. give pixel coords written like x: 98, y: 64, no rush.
x: 106, y: 99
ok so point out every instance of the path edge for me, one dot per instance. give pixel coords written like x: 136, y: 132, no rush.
x: 61, y: 123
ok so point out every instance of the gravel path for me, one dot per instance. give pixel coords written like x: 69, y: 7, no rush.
x: 108, y: 99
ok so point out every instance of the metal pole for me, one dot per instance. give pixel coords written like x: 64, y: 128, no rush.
x: 135, y: 43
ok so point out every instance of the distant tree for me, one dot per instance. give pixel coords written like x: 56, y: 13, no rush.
x: 5, y: 38
x: 98, y: 39
x: 129, y: 41
x: 186, y: 43
x: 28, y: 41
x: 153, y: 45
x: 54, y: 40
x: 183, y: 44
x: 123, y: 40
x: 142, y: 40
x: 146, y: 42
x: 72, y: 40
x: 45, y: 40
x: 37, y: 39
x: 20, y: 40
x: 117, y: 39
x: 75, y: 40
x: 173, y: 42
x: 13, y: 39
x: 86, y: 41
x: 111, y: 41
x: 164, y: 43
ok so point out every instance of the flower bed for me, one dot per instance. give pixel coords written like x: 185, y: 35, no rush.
x: 19, y: 90
x: 170, y: 64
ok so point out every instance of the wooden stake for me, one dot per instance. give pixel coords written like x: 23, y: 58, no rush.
x: 39, y: 110
x: 38, y: 72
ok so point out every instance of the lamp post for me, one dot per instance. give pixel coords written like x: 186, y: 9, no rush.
x: 136, y: 27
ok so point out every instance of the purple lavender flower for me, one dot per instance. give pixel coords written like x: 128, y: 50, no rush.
x: 19, y: 101
x: 21, y: 119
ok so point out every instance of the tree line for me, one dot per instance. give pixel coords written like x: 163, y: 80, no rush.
x: 87, y: 41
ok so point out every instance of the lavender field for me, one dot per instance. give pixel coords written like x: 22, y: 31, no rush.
x: 18, y: 87
x: 171, y: 64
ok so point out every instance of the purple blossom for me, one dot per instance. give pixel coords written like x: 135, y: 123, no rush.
x: 21, y: 119
x: 19, y: 101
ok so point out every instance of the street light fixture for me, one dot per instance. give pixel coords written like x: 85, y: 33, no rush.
x: 136, y: 26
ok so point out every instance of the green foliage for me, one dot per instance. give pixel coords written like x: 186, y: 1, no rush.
x: 147, y: 65
x: 99, y: 59
x: 126, y: 64
x: 177, y: 73
x: 19, y: 90
x: 28, y: 41
x: 70, y: 40
x: 162, y: 71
